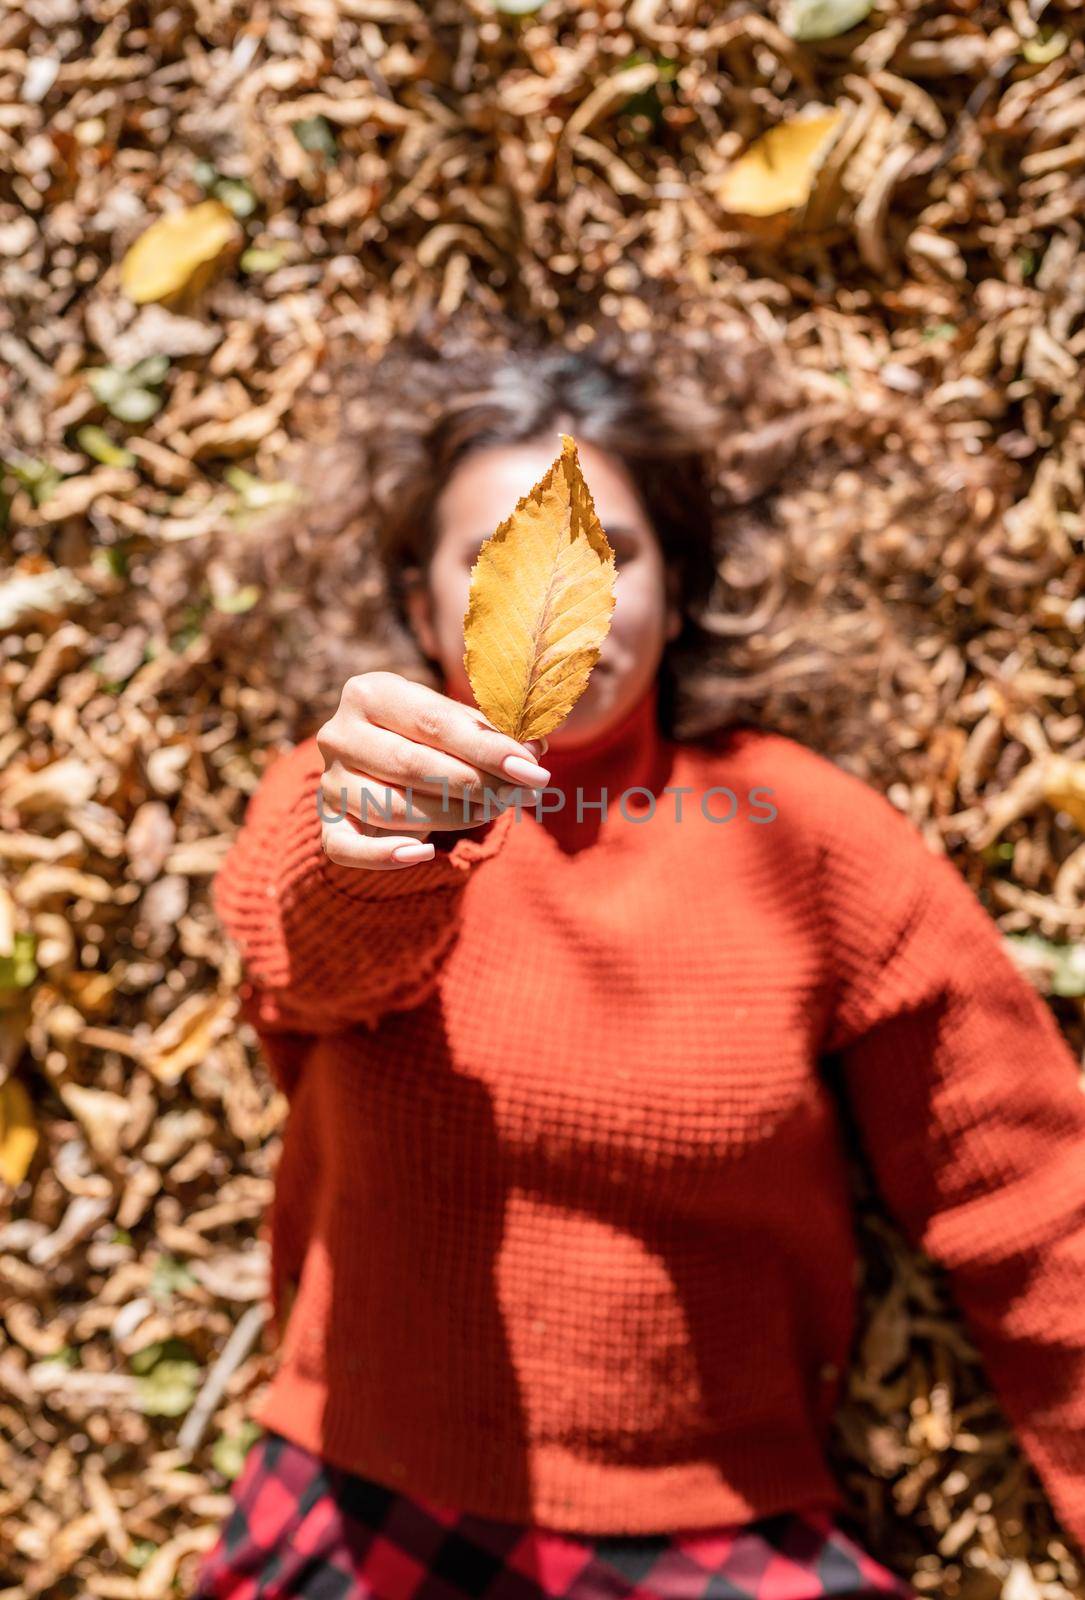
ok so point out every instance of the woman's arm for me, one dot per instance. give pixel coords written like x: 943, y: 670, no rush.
x: 971, y: 1107
x: 326, y: 946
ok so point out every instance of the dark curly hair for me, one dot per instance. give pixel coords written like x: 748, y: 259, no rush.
x: 724, y: 446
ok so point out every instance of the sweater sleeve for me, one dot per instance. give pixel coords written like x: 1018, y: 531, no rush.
x: 970, y: 1104
x: 325, y: 946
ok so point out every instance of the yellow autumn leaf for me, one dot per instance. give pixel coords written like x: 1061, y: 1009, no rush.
x: 187, y: 1035
x: 540, y: 604
x: 175, y: 250
x: 1064, y: 788
x: 18, y: 1135
x: 777, y: 172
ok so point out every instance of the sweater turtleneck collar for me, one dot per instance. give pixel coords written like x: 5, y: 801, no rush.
x: 630, y: 754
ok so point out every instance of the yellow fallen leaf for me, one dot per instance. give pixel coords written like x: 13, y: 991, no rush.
x: 176, y: 250
x: 541, y: 598
x: 777, y: 172
x: 186, y: 1036
x: 18, y: 1135
x: 1064, y: 788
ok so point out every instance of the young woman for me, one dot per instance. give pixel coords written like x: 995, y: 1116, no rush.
x: 563, y: 1259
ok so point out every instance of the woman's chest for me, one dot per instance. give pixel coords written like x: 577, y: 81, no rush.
x: 662, y: 1004
x: 580, y: 1019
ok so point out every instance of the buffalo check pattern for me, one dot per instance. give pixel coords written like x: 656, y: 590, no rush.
x: 302, y: 1527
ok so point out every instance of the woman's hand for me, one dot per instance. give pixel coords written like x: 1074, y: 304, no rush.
x: 391, y: 734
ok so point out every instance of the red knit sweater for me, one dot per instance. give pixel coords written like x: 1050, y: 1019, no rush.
x: 562, y: 1191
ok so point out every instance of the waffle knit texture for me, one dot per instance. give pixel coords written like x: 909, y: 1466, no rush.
x: 562, y: 1230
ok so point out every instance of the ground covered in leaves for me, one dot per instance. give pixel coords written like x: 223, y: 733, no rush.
x: 341, y: 170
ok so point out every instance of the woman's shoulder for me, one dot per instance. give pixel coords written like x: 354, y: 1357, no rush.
x: 822, y: 797
x: 744, y: 746
x: 870, y: 866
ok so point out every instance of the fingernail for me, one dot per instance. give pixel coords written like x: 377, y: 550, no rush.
x: 525, y: 771
x: 540, y: 746
x: 510, y: 792
x: 412, y: 852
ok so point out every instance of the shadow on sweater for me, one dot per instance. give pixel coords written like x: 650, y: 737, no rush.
x: 451, y: 1406
x: 449, y: 1415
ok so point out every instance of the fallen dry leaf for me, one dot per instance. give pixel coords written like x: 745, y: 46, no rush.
x: 18, y: 1133
x: 187, y: 1035
x: 1064, y: 788
x: 177, y: 249
x: 777, y: 172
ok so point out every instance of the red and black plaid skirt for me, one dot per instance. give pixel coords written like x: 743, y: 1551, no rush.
x: 301, y: 1527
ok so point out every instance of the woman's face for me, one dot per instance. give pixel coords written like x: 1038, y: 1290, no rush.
x: 478, y: 496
